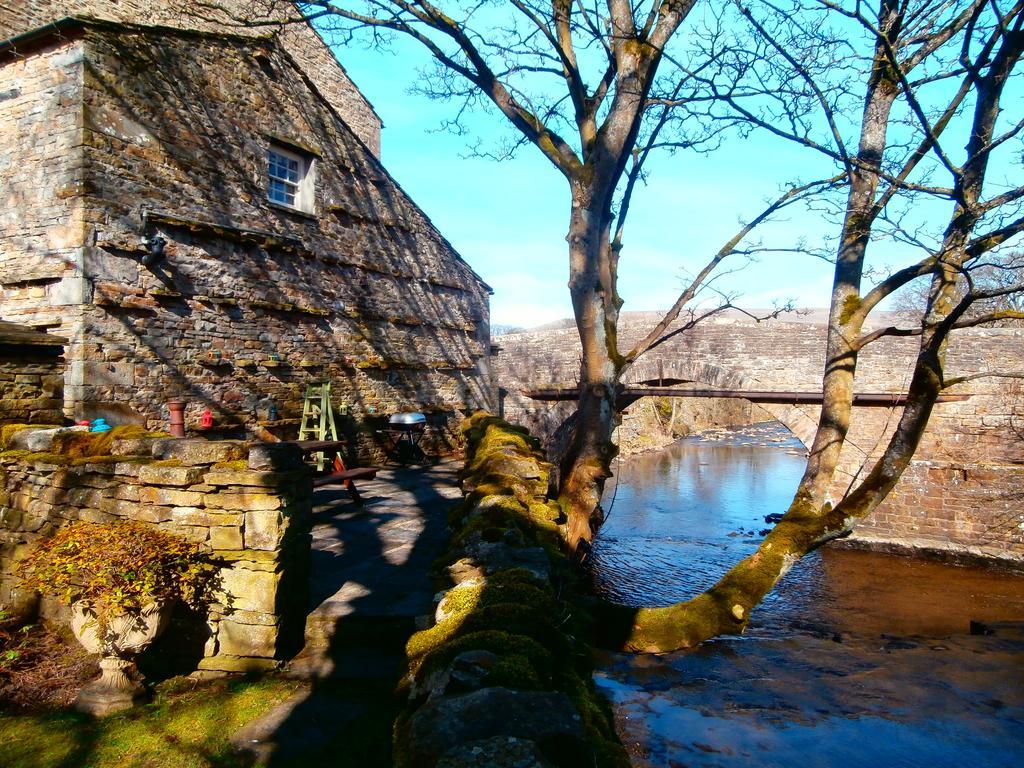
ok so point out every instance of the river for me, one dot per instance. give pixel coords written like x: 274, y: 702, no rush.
x: 856, y: 659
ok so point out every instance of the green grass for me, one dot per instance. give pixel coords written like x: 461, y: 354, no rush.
x: 186, y: 725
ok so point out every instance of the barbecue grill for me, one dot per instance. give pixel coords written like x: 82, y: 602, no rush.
x: 404, y: 432
x: 411, y: 423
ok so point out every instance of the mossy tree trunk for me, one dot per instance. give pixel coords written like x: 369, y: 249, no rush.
x: 845, y: 321
x: 595, y: 300
x: 593, y: 269
x: 806, y: 525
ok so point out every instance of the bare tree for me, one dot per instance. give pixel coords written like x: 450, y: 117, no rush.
x: 982, y: 43
x: 880, y: 94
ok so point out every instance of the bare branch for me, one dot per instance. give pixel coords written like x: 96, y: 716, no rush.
x: 696, y: 319
x: 894, y: 282
x: 790, y: 196
x: 991, y: 317
x: 987, y: 375
x: 987, y: 242
x: 830, y: 118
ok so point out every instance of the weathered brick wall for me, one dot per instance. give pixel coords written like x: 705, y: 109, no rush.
x: 300, y: 40
x: 252, y: 301
x: 254, y: 522
x: 980, y: 436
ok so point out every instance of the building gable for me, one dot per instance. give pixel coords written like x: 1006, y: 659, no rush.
x: 300, y: 40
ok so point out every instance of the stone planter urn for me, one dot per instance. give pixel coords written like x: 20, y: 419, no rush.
x: 119, y: 685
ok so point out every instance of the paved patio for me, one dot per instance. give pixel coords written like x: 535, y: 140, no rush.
x: 371, y: 562
x: 370, y: 581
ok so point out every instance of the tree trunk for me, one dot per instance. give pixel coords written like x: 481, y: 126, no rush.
x: 586, y: 465
x: 845, y: 318
x: 726, y: 607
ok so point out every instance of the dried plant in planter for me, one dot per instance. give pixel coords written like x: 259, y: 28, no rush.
x: 121, y: 581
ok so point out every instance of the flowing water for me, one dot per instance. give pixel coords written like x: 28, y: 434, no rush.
x: 856, y: 659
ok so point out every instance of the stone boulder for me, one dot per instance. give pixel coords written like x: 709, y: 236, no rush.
x: 484, y: 558
x: 443, y: 599
x: 497, y: 752
x: 444, y: 727
x: 465, y: 673
x: 39, y: 439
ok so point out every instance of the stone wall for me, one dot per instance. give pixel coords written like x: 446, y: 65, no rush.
x: 41, y: 175
x: 251, y: 302
x: 503, y: 678
x: 31, y: 376
x: 31, y: 384
x: 300, y: 40
x: 249, y: 506
x: 930, y: 508
x: 959, y: 511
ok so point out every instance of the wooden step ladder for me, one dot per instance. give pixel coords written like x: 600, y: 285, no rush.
x: 318, y: 420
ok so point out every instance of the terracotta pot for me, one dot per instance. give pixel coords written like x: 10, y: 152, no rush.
x: 119, y: 685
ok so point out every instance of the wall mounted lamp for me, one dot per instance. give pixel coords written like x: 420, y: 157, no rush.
x: 155, y: 245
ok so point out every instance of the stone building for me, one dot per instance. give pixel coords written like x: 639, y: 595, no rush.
x: 200, y: 211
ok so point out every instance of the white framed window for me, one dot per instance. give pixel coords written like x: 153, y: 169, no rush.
x: 290, y: 178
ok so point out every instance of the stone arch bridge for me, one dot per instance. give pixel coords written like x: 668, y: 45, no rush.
x: 964, y: 492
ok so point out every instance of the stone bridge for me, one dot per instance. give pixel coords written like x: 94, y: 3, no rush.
x: 964, y: 490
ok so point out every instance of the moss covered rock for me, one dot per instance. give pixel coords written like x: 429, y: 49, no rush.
x: 503, y: 664
x: 547, y: 718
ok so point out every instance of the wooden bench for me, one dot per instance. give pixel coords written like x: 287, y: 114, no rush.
x: 340, y: 473
x: 347, y: 477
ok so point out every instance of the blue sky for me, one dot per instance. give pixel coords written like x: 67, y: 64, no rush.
x: 509, y: 219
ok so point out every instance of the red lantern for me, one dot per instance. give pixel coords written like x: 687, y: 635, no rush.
x: 206, y: 420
